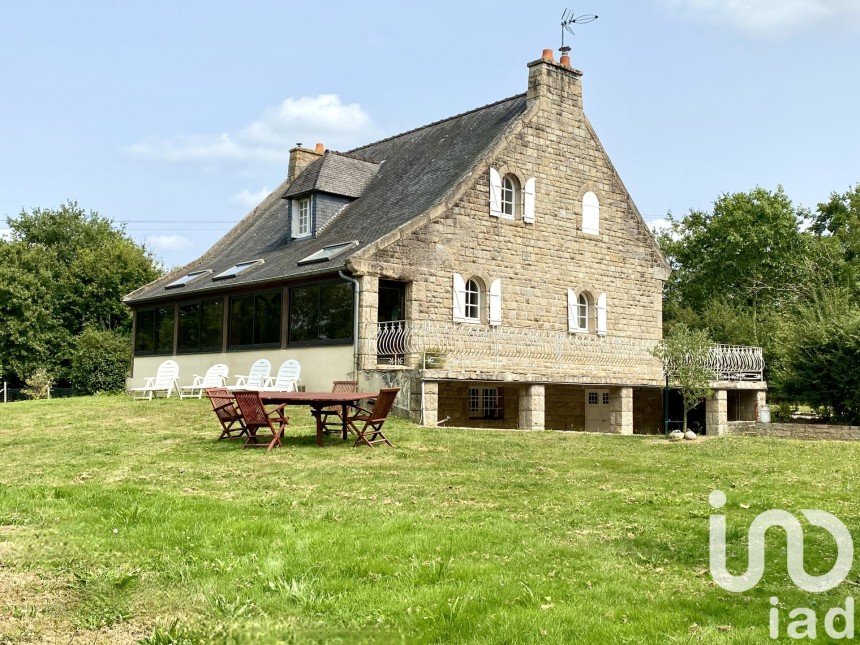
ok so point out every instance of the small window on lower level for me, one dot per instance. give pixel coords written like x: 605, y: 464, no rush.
x: 592, y: 398
x: 606, y: 398
x: 486, y: 403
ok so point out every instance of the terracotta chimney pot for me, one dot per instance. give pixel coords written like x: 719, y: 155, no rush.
x: 565, y: 60
x: 320, y: 148
x: 548, y: 55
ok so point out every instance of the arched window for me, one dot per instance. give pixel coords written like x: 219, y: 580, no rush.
x: 510, y: 196
x: 590, y: 213
x: 473, y: 301
x: 582, y: 311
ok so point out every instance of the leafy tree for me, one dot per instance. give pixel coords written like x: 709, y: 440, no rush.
x: 100, y: 361
x: 748, y: 252
x: 61, y: 271
x: 95, y: 263
x: 839, y: 219
x: 822, y: 355
x: 684, y: 354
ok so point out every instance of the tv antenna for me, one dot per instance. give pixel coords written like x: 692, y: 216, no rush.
x: 568, y: 18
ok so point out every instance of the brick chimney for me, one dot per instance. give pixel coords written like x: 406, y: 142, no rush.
x: 556, y: 82
x: 300, y: 157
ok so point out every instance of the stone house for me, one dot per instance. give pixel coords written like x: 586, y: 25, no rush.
x: 492, y: 265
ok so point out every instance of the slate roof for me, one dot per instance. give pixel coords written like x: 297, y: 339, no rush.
x: 413, y: 171
x: 336, y: 174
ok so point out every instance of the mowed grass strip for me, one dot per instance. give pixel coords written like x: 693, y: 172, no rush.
x: 124, y: 521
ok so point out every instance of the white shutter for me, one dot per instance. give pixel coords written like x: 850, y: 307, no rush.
x: 496, y: 302
x: 294, y: 218
x: 529, y: 202
x: 571, y: 310
x: 459, y: 298
x: 590, y: 213
x: 601, y: 314
x: 495, y: 193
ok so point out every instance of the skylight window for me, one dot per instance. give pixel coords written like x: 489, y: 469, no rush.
x: 187, y: 279
x: 237, y: 269
x: 327, y: 253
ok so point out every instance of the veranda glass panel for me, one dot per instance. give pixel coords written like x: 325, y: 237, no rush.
x: 335, y: 311
x: 144, y: 333
x: 241, y: 321
x: 211, y: 325
x: 164, y: 330
x: 267, y: 319
x: 304, y: 314
x: 188, y: 334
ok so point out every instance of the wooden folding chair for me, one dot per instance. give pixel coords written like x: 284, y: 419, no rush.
x: 336, y: 410
x: 256, y: 418
x: 228, y: 414
x: 371, y: 433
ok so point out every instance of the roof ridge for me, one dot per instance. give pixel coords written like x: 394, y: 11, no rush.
x: 430, y: 125
x: 346, y: 155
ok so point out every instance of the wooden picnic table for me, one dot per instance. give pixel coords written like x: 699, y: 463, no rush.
x: 317, y: 401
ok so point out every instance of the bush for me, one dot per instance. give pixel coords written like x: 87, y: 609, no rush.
x: 821, y: 365
x: 38, y: 384
x: 100, y: 361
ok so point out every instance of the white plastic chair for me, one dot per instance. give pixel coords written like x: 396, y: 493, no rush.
x: 287, y: 379
x: 257, y: 377
x: 216, y: 376
x: 166, y: 379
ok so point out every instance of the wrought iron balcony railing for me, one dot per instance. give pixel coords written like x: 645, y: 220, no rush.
x: 434, y: 344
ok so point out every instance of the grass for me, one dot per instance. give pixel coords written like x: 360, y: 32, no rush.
x: 124, y: 521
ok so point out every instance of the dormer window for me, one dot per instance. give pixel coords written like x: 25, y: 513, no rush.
x: 302, y: 217
x: 237, y: 269
x: 187, y: 279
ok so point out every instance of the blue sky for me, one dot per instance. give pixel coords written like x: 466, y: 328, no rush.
x: 177, y: 116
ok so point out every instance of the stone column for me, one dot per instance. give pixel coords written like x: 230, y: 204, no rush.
x: 532, y: 407
x: 367, y: 320
x: 431, y: 403
x: 717, y: 414
x: 621, y: 411
x: 760, y: 401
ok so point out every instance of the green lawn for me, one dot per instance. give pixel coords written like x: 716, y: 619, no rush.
x: 124, y: 520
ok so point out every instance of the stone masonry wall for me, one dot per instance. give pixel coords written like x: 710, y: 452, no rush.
x: 795, y: 430
x: 539, y: 262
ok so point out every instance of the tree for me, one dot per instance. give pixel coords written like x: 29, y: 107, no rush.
x: 63, y: 270
x: 100, y: 361
x: 684, y: 354
x: 822, y: 355
x: 839, y: 219
x: 748, y: 252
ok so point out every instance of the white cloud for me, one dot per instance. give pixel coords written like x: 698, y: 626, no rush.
x: 268, y: 138
x: 167, y: 242
x: 248, y: 199
x: 771, y: 18
x: 5, y: 233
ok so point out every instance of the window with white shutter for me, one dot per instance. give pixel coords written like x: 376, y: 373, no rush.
x: 496, y: 302
x: 300, y: 215
x: 495, y: 193
x: 590, y: 213
x: 601, y: 314
x: 529, y: 201
x: 577, y: 311
x: 459, y: 298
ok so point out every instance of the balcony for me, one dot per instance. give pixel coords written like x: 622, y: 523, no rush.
x: 472, y: 348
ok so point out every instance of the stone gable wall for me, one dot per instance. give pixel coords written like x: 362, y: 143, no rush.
x: 539, y: 262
